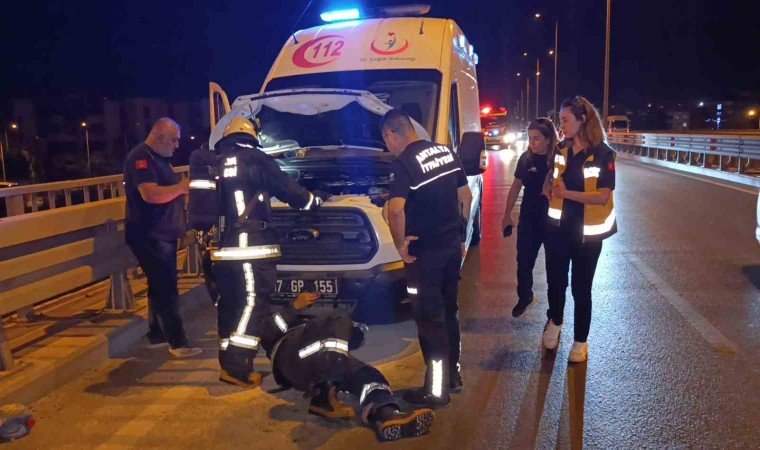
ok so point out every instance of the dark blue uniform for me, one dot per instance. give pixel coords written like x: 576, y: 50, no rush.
x: 152, y: 232
x: 428, y: 176
x: 565, y: 244
x: 531, y: 170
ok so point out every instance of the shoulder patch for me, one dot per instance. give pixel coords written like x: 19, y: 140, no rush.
x: 141, y: 164
x: 611, y: 167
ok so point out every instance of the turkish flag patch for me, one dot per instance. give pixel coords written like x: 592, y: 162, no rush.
x: 141, y: 164
x: 611, y: 167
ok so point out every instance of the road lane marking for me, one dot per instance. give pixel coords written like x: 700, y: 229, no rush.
x: 712, y: 335
x: 548, y: 430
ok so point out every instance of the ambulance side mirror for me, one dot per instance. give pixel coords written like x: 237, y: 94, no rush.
x: 471, y: 149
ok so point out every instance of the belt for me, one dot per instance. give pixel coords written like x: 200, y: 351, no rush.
x: 252, y: 225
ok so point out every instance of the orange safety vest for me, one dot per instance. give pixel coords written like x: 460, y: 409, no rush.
x: 598, y: 220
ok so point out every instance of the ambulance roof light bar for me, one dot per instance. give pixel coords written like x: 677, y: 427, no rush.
x: 340, y: 15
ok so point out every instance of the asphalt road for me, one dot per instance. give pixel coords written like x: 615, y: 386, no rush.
x: 673, y: 359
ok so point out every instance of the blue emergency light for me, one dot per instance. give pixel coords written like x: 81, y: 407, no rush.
x: 340, y: 15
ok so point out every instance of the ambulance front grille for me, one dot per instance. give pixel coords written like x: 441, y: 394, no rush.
x: 343, y: 236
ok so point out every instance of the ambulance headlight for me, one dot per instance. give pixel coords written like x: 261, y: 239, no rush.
x: 509, y: 138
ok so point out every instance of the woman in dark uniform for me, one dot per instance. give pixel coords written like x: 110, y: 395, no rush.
x: 532, y: 169
x: 580, y: 216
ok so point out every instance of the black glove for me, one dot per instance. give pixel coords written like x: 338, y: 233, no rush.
x: 320, y: 197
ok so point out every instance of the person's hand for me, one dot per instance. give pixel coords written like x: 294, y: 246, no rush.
x: 404, y: 250
x: 507, y: 221
x: 305, y: 299
x: 184, y: 186
x: 547, y: 191
x: 558, y: 191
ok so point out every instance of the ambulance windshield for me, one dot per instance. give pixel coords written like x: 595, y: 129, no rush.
x: 414, y: 91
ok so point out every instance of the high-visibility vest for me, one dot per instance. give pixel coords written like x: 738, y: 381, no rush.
x: 598, y: 220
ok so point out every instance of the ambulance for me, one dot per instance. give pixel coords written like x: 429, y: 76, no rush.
x: 320, y: 109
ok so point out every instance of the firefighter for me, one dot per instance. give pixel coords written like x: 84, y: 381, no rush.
x: 313, y: 356
x: 430, y: 203
x: 231, y: 187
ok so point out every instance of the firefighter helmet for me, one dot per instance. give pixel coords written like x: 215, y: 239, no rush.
x: 241, y: 125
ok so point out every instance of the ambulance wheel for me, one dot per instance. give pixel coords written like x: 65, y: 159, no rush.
x: 477, y: 232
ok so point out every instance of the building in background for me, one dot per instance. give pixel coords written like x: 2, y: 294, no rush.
x: 50, y: 137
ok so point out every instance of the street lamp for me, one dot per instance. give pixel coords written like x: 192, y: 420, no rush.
x: 554, y: 53
x: 525, y: 54
x: 752, y: 113
x: 607, y: 63
x: 87, y: 141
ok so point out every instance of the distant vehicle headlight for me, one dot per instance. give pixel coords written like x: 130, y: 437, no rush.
x: 510, y: 138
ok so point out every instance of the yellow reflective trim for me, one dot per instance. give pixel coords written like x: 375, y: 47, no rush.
x: 595, y: 230
x: 243, y: 254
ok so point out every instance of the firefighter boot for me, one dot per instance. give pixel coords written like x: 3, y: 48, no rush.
x: 390, y: 424
x: 253, y: 380
x: 326, y: 404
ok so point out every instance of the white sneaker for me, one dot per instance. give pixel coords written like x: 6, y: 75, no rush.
x: 185, y: 352
x: 551, y: 335
x: 579, y: 353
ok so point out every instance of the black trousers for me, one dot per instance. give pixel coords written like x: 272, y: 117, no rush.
x: 433, y: 283
x: 531, y: 234
x: 245, y: 289
x: 563, y: 249
x: 349, y: 374
x: 158, y: 260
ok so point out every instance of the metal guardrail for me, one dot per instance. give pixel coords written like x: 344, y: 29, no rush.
x: 76, y: 241
x: 19, y: 200
x: 737, y: 153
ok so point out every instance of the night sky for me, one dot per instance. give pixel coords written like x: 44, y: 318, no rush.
x: 662, y: 51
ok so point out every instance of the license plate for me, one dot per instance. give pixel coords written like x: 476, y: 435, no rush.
x: 291, y: 287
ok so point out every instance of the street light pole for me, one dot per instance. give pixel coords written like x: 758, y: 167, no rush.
x: 522, y: 110
x: 2, y: 159
x: 556, y: 58
x: 607, y: 65
x: 527, y: 98
x: 87, y: 143
x: 538, y: 73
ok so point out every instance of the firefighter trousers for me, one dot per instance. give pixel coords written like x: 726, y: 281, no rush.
x: 317, y: 352
x: 432, y: 284
x: 245, y: 288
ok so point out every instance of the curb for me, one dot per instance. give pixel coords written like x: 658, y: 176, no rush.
x: 49, y: 370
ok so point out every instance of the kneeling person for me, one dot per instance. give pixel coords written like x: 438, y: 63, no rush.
x: 313, y: 356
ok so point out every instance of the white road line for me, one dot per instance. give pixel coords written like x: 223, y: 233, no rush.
x: 712, y: 335
x: 746, y: 190
x: 547, y: 433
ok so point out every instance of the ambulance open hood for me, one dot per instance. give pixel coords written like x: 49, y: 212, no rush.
x: 305, y: 102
